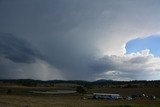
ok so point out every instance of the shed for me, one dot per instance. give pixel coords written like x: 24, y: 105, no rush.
x: 106, y: 96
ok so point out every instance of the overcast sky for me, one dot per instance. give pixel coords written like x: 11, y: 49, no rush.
x: 80, y: 39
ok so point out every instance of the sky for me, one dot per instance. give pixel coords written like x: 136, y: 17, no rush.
x: 152, y: 43
x: 80, y: 39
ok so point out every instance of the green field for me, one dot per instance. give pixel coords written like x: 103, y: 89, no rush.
x: 17, y: 96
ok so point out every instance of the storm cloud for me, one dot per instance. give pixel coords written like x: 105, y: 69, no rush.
x: 15, y: 49
x: 18, y: 59
x: 76, y: 39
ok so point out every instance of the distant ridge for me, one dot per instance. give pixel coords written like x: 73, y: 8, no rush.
x: 80, y: 82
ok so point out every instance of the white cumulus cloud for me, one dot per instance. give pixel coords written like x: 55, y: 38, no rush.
x: 141, y: 65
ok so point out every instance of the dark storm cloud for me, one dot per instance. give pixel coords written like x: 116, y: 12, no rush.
x: 103, y: 63
x: 19, y: 60
x: 15, y: 49
x: 58, y: 29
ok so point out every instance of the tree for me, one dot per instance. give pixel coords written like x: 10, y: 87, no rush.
x: 9, y: 91
x: 80, y: 90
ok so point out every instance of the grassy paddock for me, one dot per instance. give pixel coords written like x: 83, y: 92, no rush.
x: 21, y: 97
x: 70, y: 100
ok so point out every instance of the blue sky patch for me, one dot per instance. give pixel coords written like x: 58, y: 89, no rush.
x: 151, y: 42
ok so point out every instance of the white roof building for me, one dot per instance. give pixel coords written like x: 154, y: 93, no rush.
x: 106, y: 96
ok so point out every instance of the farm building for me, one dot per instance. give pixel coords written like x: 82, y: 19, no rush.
x: 106, y: 96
